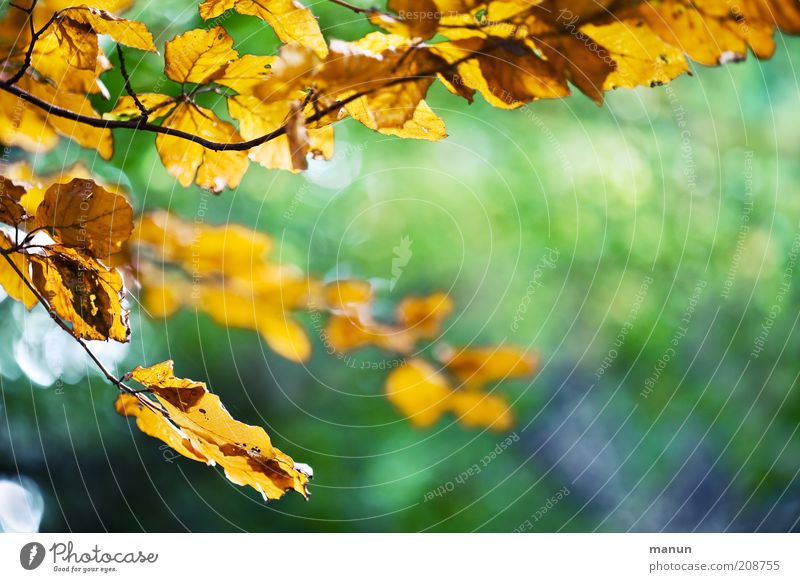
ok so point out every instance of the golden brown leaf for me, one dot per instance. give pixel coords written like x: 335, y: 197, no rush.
x: 24, y: 126
x: 85, y: 135
x: 351, y: 325
x: 222, y: 271
x: 199, y: 56
x: 127, y: 32
x: 187, y: 160
x: 245, y: 73
x: 83, y: 215
x: 476, y: 367
x: 257, y: 118
x: 83, y: 292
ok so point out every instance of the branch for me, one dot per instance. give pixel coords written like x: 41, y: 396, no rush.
x: 141, y: 123
x: 353, y: 7
x: 55, y: 317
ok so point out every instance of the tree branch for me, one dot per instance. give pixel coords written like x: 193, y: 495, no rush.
x: 141, y: 123
x: 127, y: 80
x: 55, y: 317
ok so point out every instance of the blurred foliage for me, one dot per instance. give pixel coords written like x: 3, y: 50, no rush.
x: 551, y: 216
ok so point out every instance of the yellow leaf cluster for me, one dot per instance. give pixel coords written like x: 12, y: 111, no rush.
x: 64, y: 69
x: 60, y: 249
x: 222, y: 271
x: 417, y: 389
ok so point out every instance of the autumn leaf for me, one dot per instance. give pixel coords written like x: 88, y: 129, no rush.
x: 423, y: 394
x: 76, y: 30
x: 198, y: 426
x: 156, y: 105
x: 476, y: 367
x: 189, y: 161
x: 11, y: 266
x: 245, y: 73
x: 224, y: 272
x: 90, y: 137
x: 83, y: 292
x: 199, y: 56
x: 82, y: 214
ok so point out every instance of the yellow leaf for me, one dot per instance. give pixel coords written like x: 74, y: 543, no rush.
x: 84, y: 215
x: 641, y: 57
x: 10, y: 280
x: 419, y: 392
x: 508, y: 75
x: 199, y: 56
x: 24, y: 126
x: 243, y: 74
x: 222, y: 271
x: 245, y: 452
x: 284, y: 335
x: 214, y: 170
x: 257, y: 118
x: 85, y: 135
x: 156, y: 425
x: 477, y: 410
x: 423, y: 394
x: 11, y: 211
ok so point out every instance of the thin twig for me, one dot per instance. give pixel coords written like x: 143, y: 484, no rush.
x: 35, y: 36
x: 353, y: 7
